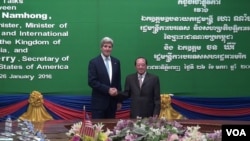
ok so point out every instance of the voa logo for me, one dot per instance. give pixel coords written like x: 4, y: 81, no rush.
x: 236, y: 132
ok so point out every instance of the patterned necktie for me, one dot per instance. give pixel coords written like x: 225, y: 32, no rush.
x: 140, y: 80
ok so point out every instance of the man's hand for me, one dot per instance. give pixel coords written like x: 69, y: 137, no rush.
x: 119, y: 106
x: 113, y: 91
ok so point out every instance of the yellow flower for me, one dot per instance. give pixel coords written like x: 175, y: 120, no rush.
x: 88, y: 138
x: 102, y: 136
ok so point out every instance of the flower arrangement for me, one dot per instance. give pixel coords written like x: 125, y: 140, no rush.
x: 100, y: 135
x: 148, y: 129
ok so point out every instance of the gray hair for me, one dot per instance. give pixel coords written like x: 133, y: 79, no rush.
x: 107, y: 40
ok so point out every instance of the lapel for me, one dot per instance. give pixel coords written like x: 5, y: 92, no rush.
x: 113, y: 64
x: 103, y: 66
x: 136, y: 80
x: 145, y: 79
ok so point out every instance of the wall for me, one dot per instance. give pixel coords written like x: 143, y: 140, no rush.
x: 197, y: 49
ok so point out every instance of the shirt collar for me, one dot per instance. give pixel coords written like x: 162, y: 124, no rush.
x: 143, y: 75
x: 104, y: 57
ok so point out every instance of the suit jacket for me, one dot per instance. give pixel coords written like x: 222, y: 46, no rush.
x: 98, y: 80
x: 145, y: 101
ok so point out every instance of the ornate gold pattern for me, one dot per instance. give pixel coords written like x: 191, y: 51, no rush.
x: 36, y: 111
x: 167, y: 111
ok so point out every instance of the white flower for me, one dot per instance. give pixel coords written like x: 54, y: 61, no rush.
x: 108, y: 132
x: 98, y: 127
x: 156, y: 131
x: 75, y: 128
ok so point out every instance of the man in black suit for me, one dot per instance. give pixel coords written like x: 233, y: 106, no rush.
x: 104, y: 77
x: 145, y: 99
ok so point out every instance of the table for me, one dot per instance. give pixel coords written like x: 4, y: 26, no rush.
x: 55, y: 130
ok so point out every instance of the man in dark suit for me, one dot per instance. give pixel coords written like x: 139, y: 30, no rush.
x: 104, y: 77
x: 145, y: 99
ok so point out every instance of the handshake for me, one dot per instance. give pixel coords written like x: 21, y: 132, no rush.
x: 113, y: 91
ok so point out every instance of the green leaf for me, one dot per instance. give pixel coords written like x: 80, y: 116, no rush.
x: 140, y: 138
x: 139, y: 131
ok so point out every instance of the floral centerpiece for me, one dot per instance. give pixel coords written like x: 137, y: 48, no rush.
x: 99, y: 134
x: 147, y: 129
